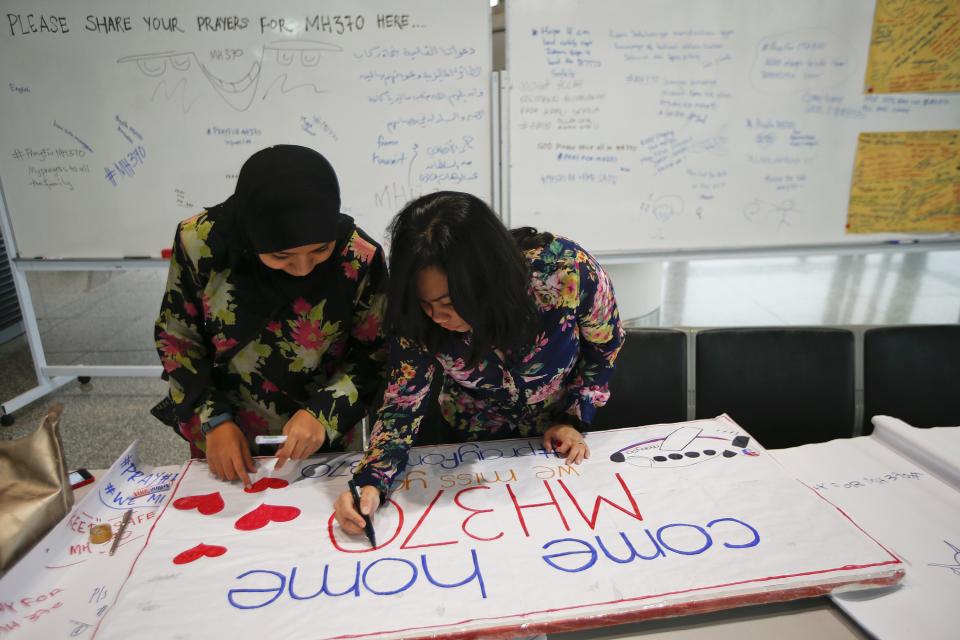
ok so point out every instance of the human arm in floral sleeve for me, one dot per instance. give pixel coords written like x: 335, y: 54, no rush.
x: 601, y: 336
x: 186, y: 359
x: 410, y: 371
x: 351, y: 386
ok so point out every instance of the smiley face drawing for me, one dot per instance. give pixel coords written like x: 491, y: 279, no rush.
x: 682, y: 447
x: 276, y: 69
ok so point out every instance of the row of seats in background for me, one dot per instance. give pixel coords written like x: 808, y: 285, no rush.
x: 787, y: 386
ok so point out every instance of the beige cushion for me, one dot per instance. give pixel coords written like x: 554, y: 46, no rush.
x: 35, y: 493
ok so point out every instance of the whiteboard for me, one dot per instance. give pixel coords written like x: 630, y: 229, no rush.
x: 121, y: 118
x: 691, y: 124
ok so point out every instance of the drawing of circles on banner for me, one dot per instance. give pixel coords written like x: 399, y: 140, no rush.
x: 682, y: 447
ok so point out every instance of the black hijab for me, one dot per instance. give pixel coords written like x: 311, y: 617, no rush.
x: 286, y: 196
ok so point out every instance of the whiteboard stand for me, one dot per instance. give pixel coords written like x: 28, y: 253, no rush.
x: 496, y: 173
x: 501, y: 149
x: 50, y: 378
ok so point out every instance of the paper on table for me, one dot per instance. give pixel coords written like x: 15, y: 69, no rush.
x: 497, y: 538
x: 65, y: 585
x: 909, y: 511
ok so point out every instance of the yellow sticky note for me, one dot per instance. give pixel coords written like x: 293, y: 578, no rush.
x: 906, y: 181
x: 915, y: 47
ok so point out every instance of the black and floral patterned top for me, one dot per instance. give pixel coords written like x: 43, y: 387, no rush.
x: 322, y: 351
x: 564, y: 372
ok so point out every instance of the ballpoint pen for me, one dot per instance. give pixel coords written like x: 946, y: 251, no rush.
x: 120, y: 530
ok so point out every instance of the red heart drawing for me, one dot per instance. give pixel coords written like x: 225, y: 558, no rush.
x: 266, y: 483
x: 207, y: 504
x: 264, y: 514
x: 197, y: 552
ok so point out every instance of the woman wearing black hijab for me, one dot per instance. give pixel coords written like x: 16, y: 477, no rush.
x: 271, y: 319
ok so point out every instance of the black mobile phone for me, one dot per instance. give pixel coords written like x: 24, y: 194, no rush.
x: 80, y: 478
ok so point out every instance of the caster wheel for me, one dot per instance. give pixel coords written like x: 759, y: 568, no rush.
x: 83, y: 379
x: 6, y: 419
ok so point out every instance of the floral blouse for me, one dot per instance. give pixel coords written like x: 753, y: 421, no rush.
x: 564, y: 373
x: 322, y: 352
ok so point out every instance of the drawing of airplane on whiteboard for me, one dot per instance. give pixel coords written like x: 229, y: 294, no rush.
x: 286, y: 66
x: 683, y: 447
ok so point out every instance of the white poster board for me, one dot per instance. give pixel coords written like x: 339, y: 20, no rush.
x: 65, y: 585
x: 886, y: 488
x: 494, y: 538
x: 688, y: 124
x: 121, y: 118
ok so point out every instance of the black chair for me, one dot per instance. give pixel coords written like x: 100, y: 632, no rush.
x: 649, y: 384
x: 786, y: 386
x: 912, y: 373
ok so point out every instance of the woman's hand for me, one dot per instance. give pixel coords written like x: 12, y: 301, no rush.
x: 351, y: 521
x: 304, y: 434
x: 228, y: 453
x: 567, y: 441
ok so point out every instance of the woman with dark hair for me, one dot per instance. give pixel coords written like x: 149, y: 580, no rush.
x: 272, y: 317
x: 523, y: 327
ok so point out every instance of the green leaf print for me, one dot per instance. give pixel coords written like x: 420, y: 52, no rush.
x: 317, y: 312
x: 342, y: 386
x: 194, y: 237
x: 220, y: 299
x: 248, y: 359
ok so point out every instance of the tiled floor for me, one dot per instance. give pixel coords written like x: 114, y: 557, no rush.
x: 107, y: 317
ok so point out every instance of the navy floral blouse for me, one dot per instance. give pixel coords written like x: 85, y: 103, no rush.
x: 322, y: 351
x: 564, y: 373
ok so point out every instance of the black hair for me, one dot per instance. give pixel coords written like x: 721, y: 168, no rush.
x: 487, y: 273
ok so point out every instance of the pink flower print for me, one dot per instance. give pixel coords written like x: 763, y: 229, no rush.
x: 411, y: 400
x: 307, y: 334
x: 596, y: 394
x: 269, y: 387
x: 170, y: 365
x: 222, y: 344
x: 368, y: 329
x: 274, y: 327
x: 205, y: 303
x: 547, y: 391
x: 191, y: 309
x: 251, y: 421
x: 191, y: 428
x: 171, y: 345
x: 537, y: 346
x: 363, y: 249
x: 455, y: 369
x: 350, y: 270
x: 301, y: 307
x: 393, y: 390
